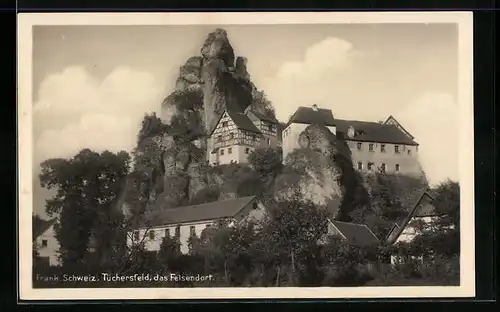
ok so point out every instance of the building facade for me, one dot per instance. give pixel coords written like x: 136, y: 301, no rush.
x: 46, y: 243
x: 183, y: 222
x: 421, y: 216
x: 300, y: 120
x: 236, y: 135
x: 374, y: 146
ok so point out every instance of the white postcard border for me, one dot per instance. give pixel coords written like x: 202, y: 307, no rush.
x: 25, y: 151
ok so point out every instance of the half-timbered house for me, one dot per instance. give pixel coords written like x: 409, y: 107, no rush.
x: 267, y: 126
x: 233, y: 138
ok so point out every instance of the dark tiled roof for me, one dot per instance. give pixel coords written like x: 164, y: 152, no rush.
x: 419, y: 209
x: 241, y: 120
x: 308, y: 115
x: 44, y: 226
x: 374, y: 132
x: 208, y: 211
x: 357, y: 234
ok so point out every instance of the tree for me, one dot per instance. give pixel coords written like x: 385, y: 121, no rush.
x: 447, y: 203
x: 88, y: 186
x: 36, y: 223
x: 266, y: 161
x: 291, y: 237
x: 150, y: 127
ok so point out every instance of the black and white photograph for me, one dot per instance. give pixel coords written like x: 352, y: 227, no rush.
x: 245, y: 155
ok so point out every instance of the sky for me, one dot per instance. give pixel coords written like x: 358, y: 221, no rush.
x: 92, y: 85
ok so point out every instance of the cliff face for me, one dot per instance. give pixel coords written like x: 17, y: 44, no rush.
x: 312, y: 170
x: 207, y: 84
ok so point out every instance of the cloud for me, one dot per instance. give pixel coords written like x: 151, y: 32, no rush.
x: 76, y: 110
x: 309, y: 80
x: 433, y: 119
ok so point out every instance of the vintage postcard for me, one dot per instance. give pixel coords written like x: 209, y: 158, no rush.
x: 245, y: 155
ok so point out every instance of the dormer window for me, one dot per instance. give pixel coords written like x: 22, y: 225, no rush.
x: 315, y: 107
x: 225, y: 123
x: 350, y: 132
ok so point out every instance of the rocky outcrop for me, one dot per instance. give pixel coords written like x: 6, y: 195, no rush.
x: 312, y: 171
x: 224, y: 87
x: 206, y: 85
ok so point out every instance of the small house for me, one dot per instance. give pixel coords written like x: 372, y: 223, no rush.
x: 187, y: 221
x: 46, y: 243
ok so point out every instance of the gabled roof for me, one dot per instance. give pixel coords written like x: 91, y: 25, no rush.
x: 391, y: 118
x: 262, y: 117
x: 240, y: 120
x: 418, y: 210
x: 374, y: 132
x: 44, y: 226
x: 307, y: 115
x: 357, y: 234
x: 208, y: 211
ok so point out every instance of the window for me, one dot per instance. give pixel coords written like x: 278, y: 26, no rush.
x: 230, y: 150
x: 178, y: 231
x: 359, y: 146
x: 409, y: 152
x: 370, y: 147
x: 268, y: 141
x: 396, y: 149
x: 231, y: 136
x: 222, y: 151
x: 44, y: 243
x: 397, y: 167
x: 192, y: 230
x: 151, y: 234
x: 136, y: 235
x: 270, y: 127
x: 382, y: 167
x: 224, y: 123
x: 167, y: 232
x: 219, y: 138
x: 360, y: 165
x: 382, y: 148
x: 370, y: 165
x: 254, y: 205
x: 247, y: 150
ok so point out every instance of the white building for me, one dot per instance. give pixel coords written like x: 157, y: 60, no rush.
x: 184, y: 222
x: 300, y: 120
x: 373, y: 145
x: 422, y: 215
x: 46, y: 243
x: 236, y: 135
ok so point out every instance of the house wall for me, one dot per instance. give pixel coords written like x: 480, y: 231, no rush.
x: 227, y: 135
x: 51, y: 251
x: 249, y: 212
x: 409, y: 232
x: 160, y: 232
x: 291, y: 137
x: 407, y: 158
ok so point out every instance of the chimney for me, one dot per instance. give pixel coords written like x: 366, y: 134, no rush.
x: 315, y: 107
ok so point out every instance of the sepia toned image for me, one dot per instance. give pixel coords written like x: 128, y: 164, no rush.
x: 245, y: 155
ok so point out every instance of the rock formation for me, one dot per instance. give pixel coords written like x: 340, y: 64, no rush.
x: 312, y: 170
